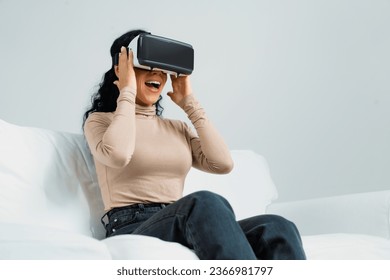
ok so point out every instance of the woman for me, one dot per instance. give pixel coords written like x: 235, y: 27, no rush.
x: 142, y: 161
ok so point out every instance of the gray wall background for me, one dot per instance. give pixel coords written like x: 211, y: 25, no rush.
x: 304, y: 83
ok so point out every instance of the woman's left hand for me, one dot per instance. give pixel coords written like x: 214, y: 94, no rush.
x: 181, y: 88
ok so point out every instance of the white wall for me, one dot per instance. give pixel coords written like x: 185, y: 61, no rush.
x: 305, y: 83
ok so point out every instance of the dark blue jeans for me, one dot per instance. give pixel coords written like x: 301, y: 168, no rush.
x: 205, y: 222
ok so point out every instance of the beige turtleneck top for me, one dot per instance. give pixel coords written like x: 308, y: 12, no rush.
x: 142, y: 158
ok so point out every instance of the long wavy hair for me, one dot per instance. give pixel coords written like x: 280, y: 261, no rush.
x: 104, y: 100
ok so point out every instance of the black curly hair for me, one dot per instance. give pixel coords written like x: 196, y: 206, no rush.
x: 104, y: 100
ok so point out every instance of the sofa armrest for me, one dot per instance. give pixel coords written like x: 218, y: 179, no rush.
x: 362, y: 213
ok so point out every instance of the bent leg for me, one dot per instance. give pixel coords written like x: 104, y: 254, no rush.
x: 273, y: 238
x: 204, y: 222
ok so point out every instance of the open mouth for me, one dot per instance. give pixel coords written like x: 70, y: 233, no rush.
x: 153, y: 84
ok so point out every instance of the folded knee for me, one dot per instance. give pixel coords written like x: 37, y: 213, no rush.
x: 209, y: 200
x: 208, y: 196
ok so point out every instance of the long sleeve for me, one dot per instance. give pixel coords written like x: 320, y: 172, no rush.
x: 111, y: 136
x: 209, y: 151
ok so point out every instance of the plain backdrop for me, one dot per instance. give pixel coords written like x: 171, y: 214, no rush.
x: 304, y: 83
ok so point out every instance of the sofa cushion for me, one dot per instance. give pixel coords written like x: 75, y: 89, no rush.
x: 248, y: 187
x: 37, y: 242
x: 47, y: 178
x: 342, y: 246
x: 139, y: 247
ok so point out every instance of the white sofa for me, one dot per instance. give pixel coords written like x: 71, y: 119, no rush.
x: 50, y: 206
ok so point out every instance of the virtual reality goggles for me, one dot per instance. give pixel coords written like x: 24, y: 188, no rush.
x: 153, y: 52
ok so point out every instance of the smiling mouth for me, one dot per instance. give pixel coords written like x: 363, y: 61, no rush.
x: 153, y: 84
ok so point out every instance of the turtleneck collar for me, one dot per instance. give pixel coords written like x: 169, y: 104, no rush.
x: 145, y: 111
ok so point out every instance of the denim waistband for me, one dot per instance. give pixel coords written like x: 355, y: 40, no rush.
x: 139, y: 206
x: 132, y: 207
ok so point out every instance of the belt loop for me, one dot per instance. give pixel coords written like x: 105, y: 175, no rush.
x: 163, y: 205
x: 141, y: 206
x: 104, y: 224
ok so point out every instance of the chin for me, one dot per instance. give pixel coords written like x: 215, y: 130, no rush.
x: 147, y: 102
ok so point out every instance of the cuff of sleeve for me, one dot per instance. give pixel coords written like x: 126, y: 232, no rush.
x: 128, y: 89
x: 127, y: 94
x: 187, y: 102
x: 194, y: 110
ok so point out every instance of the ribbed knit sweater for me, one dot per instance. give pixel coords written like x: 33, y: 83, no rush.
x: 143, y: 158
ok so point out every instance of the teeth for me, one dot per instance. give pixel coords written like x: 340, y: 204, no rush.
x: 155, y: 84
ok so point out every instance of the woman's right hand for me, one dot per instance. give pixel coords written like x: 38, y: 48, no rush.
x: 125, y: 71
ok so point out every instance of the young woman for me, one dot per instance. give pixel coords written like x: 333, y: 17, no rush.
x: 142, y: 160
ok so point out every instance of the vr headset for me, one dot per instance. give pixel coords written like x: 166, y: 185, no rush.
x: 153, y: 52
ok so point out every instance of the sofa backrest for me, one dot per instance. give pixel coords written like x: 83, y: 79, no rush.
x: 48, y: 178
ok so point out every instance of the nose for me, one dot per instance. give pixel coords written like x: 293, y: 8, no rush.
x: 159, y: 73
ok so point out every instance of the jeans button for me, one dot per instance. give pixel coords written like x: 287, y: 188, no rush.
x: 115, y: 220
x: 113, y: 230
